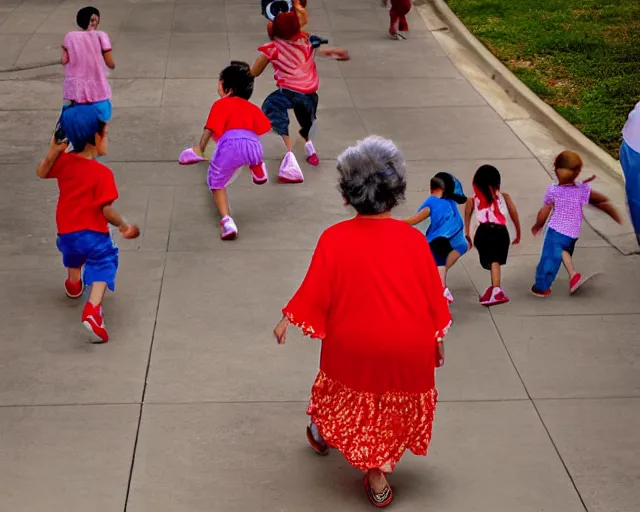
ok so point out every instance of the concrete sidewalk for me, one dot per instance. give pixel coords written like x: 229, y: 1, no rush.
x: 192, y: 406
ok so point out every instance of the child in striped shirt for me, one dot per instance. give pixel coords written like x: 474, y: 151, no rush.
x: 292, y: 56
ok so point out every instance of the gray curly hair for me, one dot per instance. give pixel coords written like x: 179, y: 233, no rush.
x: 372, y: 175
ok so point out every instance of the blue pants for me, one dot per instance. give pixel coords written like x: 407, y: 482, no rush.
x: 554, y: 245
x: 630, y: 161
x: 279, y: 102
x: 94, y: 251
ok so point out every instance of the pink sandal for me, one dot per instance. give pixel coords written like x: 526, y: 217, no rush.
x: 189, y: 156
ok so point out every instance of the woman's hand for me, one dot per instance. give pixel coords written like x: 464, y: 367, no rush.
x: 439, y: 353
x: 280, y: 331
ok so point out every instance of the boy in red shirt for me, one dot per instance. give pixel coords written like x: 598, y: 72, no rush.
x: 85, y: 210
x: 235, y: 124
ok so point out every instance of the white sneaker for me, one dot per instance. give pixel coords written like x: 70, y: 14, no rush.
x: 448, y: 295
x: 290, y: 171
x: 228, y: 228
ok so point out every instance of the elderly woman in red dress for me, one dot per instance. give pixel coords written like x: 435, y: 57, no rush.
x: 373, y: 295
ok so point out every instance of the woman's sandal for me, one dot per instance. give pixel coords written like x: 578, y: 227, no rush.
x: 319, y: 445
x: 381, y: 499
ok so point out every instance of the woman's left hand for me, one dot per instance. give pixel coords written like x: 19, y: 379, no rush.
x: 280, y: 331
x: 440, y: 354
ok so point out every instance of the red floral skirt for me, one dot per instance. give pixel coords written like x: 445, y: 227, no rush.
x: 372, y: 431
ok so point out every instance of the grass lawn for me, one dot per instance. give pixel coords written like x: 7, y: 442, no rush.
x: 580, y: 56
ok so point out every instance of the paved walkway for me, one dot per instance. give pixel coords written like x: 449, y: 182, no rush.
x: 539, y: 409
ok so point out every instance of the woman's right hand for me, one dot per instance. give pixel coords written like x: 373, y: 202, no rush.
x: 280, y: 330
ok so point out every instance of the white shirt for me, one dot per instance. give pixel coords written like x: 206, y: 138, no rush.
x: 631, y: 130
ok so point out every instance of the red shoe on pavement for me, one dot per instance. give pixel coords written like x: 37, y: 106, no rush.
x: 93, y: 320
x: 497, y: 297
x: 575, y: 283
x: 539, y: 293
x: 73, y: 290
x: 486, y: 296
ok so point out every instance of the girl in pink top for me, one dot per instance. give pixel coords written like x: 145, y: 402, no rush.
x: 291, y: 52
x: 564, y: 203
x: 492, y: 238
x: 86, y: 54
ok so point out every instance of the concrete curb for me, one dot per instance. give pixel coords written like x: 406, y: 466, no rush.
x: 521, y: 94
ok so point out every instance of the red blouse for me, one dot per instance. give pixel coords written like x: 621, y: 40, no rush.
x: 373, y: 295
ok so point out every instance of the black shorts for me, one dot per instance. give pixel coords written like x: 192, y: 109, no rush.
x: 492, y: 242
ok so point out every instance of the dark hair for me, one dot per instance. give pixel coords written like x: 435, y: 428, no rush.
x: 236, y: 77
x: 81, y: 123
x: 83, y: 18
x: 487, y: 181
x: 437, y: 184
x: 449, y: 188
x: 372, y: 176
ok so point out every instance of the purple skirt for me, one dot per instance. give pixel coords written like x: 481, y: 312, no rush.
x: 235, y: 149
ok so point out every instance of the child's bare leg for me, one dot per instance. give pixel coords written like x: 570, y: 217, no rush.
x: 287, y: 142
x: 221, y: 199
x: 451, y: 260
x: 567, y: 260
x: 443, y: 275
x: 495, y: 274
x: 97, y: 293
x: 75, y: 274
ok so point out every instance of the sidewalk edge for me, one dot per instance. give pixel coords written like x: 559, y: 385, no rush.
x: 519, y: 92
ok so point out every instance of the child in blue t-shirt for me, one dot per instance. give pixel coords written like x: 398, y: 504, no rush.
x: 446, y: 231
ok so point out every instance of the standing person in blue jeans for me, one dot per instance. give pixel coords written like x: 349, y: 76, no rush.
x: 630, y: 160
x: 446, y: 231
x: 564, y: 203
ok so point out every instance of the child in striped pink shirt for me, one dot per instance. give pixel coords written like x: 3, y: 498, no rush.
x: 292, y: 56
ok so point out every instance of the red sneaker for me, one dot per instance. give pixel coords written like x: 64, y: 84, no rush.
x: 538, y: 293
x: 486, y: 296
x: 73, y: 290
x: 575, y: 283
x: 312, y: 156
x: 93, y: 320
x: 259, y: 174
x: 497, y: 297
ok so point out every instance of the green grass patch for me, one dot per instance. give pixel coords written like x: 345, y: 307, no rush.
x: 580, y: 56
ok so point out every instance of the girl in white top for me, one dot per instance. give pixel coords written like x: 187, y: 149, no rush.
x: 492, y: 238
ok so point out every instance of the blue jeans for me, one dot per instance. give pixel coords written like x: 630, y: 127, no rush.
x: 630, y: 161
x: 554, y: 245
x: 96, y: 252
x: 279, y: 102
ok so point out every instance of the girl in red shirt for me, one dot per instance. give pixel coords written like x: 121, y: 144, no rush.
x: 235, y: 125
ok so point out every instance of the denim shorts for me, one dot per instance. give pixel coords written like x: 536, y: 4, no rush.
x: 103, y: 107
x: 96, y: 252
x: 279, y: 102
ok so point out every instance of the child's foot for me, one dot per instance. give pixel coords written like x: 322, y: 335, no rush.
x: 448, y: 295
x: 228, y: 228
x: 290, y: 171
x: 310, y: 151
x: 93, y: 320
x: 259, y: 174
x: 540, y: 293
x: 486, y: 296
x: 575, y: 283
x: 497, y: 297
x: 73, y: 290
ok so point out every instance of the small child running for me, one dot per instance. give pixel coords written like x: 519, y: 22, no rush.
x: 446, y: 231
x: 236, y: 125
x: 564, y: 203
x: 492, y: 236
x: 85, y: 210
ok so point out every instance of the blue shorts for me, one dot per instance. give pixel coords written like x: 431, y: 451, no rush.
x: 441, y: 247
x: 103, y: 107
x: 96, y: 252
x: 280, y: 101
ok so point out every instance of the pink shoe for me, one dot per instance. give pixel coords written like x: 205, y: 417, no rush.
x: 312, y: 157
x: 188, y: 157
x: 290, y: 171
x: 229, y: 229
